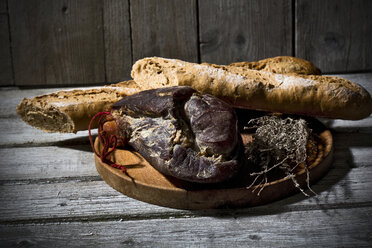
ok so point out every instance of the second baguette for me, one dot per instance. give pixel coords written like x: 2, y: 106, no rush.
x: 312, y: 95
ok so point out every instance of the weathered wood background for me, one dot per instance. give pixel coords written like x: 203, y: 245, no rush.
x: 86, y: 42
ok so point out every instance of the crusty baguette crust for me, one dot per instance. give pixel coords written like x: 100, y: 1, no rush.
x: 312, y: 95
x: 281, y: 65
x: 71, y: 111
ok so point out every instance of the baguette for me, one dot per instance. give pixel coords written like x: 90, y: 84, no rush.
x: 71, y: 111
x: 311, y: 95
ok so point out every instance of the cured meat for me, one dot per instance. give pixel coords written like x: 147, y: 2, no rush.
x: 182, y: 133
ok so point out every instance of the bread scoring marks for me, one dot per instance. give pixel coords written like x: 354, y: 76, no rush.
x: 178, y: 63
x: 63, y: 104
x: 219, y: 75
x: 126, y: 91
x: 287, y: 82
x: 211, y: 72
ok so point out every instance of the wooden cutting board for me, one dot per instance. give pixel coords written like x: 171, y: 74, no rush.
x: 146, y: 184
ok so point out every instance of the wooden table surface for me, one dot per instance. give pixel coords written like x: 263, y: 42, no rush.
x: 51, y: 195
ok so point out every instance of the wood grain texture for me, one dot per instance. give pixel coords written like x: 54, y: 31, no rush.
x: 47, y: 163
x: 318, y: 228
x: 232, y: 31
x: 6, y: 73
x: 118, y: 53
x: 57, y: 43
x: 72, y: 198
x: 164, y: 28
x: 335, y: 35
x: 19, y: 133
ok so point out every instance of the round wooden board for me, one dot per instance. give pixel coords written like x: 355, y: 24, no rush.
x: 146, y: 184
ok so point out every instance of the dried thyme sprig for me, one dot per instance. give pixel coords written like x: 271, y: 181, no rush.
x: 278, y: 143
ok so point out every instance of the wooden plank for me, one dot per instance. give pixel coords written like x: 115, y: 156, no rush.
x: 337, y: 125
x: 333, y: 34
x: 73, y: 199
x: 118, y: 54
x: 17, y: 133
x: 6, y: 74
x: 233, y: 31
x: 164, y: 28
x: 3, y: 7
x: 318, y: 228
x: 44, y: 163
x: 64, y: 44
x: 348, y: 183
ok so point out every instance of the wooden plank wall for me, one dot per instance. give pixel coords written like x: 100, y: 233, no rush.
x: 6, y: 74
x: 92, y: 42
x: 57, y: 42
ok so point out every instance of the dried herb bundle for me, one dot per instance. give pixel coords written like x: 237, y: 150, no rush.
x: 278, y: 143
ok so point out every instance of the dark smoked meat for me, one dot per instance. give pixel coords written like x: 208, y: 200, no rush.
x: 182, y: 133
